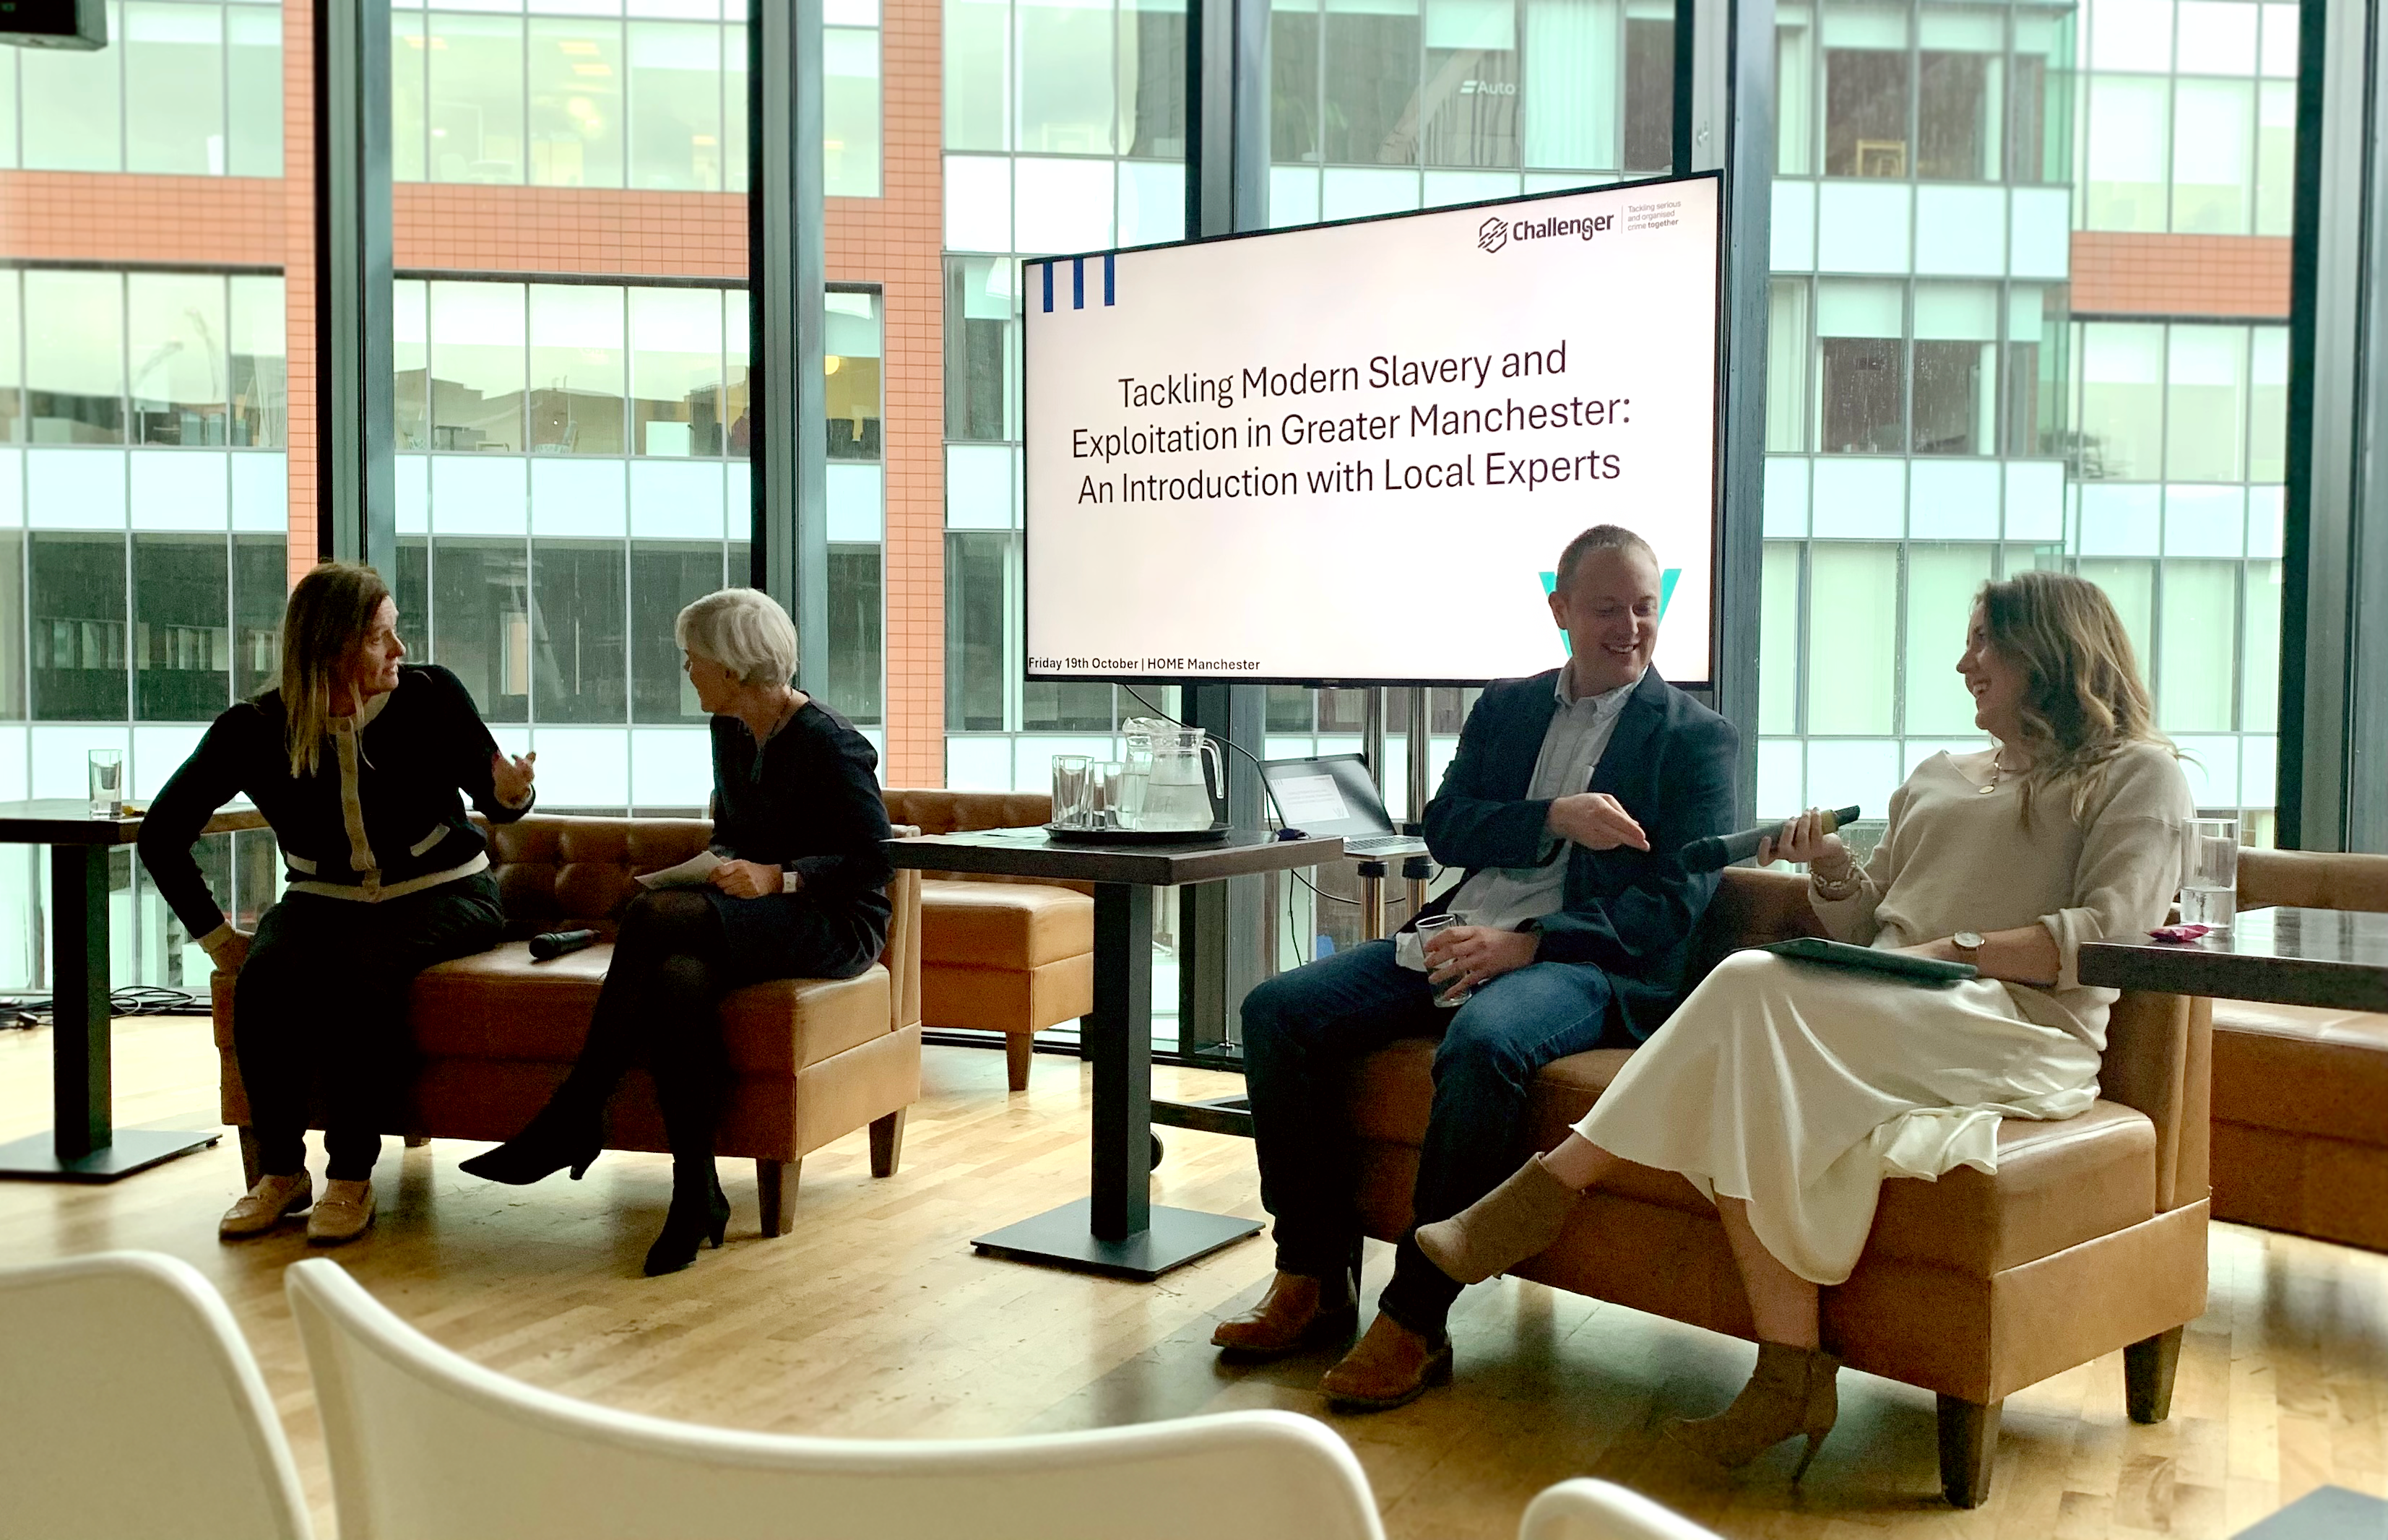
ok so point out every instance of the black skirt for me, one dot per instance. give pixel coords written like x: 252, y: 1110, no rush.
x: 792, y: 935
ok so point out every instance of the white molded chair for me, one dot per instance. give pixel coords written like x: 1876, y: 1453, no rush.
x: 1588, y: 1510
x: 428, y: 1446
x: 130, y: 1408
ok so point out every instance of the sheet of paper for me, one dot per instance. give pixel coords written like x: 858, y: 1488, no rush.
x: 691, y: 873
x: 1303, y: 800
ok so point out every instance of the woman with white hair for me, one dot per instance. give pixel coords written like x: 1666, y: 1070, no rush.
x: 800, y: 893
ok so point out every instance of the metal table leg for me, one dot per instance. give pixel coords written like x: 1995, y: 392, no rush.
x: 84, y: 1144
x: 1116, y: 1229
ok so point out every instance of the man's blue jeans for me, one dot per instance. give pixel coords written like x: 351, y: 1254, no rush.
x: 1303, y: 1031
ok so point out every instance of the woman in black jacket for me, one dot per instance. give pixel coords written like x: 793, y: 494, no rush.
x: 800, y: 893
x: 356, y: 762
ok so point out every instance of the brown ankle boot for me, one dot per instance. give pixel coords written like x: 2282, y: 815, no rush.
x: 1792, y: 1393
x: 1298, y: 1311
x: 1519, y: 1219
x: 1391, y: 1367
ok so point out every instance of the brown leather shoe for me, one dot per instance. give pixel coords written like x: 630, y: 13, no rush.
x: 1391, y: 1367
x: 1297, y: 1312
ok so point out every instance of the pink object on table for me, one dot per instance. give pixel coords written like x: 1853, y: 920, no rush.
x: 2180, y: 932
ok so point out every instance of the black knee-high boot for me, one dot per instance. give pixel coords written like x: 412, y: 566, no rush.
x: 691, y: 1075
x: 638, y: 998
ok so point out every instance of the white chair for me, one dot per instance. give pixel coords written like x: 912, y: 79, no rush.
x: 426, y: 1446
x: 1588, y: 1510
x: 130, y: 1408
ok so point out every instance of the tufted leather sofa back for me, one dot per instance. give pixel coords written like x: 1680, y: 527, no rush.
x: 939, y: 811
x: 555, y: 871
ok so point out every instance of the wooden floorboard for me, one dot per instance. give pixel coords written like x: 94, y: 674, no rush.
x: 874, y: 1319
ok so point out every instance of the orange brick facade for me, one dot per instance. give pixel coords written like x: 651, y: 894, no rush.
x: 895, y: 241
x: 2237, y: 276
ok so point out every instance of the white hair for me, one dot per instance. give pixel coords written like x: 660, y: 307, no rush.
x: 745, y: 630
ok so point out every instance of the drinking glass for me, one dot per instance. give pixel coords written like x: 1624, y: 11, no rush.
x: 2209, y: 888
x: 1070, y: 790
x: 1127, y: 790
x: 1106, y: 781
x: 1428, y: 928
x: 107, y: 782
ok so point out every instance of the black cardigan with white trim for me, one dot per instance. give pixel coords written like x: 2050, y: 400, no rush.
x: 380, y: 818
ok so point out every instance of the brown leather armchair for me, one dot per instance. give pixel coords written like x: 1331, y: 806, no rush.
x: 2091, y: 1238
x: 2301, y: 1093
x: 1000, y: 954
x: 811, y: 1059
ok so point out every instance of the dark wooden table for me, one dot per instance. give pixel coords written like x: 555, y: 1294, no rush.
x: 2326, y: 957
x: 84, y: 1144
x: 1116, y: 1229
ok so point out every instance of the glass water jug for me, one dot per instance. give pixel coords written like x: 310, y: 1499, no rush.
x: 1169, y: 759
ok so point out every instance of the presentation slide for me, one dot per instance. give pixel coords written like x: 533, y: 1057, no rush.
x: 1353, y: 453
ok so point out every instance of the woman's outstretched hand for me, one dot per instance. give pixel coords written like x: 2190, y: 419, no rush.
x: 512, y: 777
x: 748, y: 879
x: 1804, y: 841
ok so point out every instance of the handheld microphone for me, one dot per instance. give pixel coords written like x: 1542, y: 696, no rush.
x: 555, y: 943
x: 1722, y: 850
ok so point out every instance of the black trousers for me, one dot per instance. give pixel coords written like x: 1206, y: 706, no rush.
x: 319, y: 1007
x: 1305, y: 1030
x: 679, y: 950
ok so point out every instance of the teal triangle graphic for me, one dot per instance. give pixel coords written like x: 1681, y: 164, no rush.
x: 1667, y: 581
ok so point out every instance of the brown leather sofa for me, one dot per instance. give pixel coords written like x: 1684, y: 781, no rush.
x: 1000, y: 954
x: 811, y: 1059
x: 2301, y: 1093
x: 2091, y: 1238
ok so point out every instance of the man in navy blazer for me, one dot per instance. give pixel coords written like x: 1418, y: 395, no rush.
x: 1569, y: 798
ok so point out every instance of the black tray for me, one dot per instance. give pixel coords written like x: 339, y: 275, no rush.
x: 1212, y: 835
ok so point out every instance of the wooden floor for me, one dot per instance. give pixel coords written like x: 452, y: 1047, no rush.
x: 875, y: 1319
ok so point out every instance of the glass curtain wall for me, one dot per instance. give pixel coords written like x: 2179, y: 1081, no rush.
x: 653, y: 99
x: 143, y: 545
x: 571, y: 470
x: 1065, y: 130
x: 185, y: 88
x: 1938, y: 416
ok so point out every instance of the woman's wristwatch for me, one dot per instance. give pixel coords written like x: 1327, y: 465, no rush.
x: 1968, y: 945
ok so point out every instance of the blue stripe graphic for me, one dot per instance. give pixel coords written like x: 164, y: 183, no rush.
x: 1108, y: 295
x: 1079, y: 282
x: 1049, y: 284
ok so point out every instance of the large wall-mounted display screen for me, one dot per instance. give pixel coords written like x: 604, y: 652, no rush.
x: 1351, y: 454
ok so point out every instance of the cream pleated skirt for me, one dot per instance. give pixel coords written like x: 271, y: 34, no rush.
x: 1799, y: 1087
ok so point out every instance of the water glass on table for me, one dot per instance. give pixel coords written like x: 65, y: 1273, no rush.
x: 1103, y: 785
x: 2209, y: 888
x: 1070, y: 777
x: 1428, y: 929
x: 107, y: 782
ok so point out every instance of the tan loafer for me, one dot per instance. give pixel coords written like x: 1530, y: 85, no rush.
x: 273, y: 1199
x: 1391, y: 1367
x: 346, y: 1213
x: 1297, y: 1312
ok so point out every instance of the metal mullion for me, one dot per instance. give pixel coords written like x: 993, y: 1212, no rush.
x: 223, y: 75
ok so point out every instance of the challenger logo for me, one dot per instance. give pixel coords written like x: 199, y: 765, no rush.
x: 1493, y: 234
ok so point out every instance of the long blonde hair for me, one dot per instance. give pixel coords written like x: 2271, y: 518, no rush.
x: 323, y: 631
x: 2082, y: 703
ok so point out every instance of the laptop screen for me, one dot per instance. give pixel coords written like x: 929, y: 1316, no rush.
x: 1331, y: 795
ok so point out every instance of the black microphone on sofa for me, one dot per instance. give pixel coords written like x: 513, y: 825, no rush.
x: 1722, y: 851
x: 550, y: 945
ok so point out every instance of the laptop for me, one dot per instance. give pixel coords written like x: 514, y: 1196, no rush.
x: 1333, y: 794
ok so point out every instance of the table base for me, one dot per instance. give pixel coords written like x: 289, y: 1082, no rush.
x: 1060, y: 1237
x: 1218, y: 1115
x: 36, y: 1159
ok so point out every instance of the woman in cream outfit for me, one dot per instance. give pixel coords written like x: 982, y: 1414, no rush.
x: 1788, y: 1090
